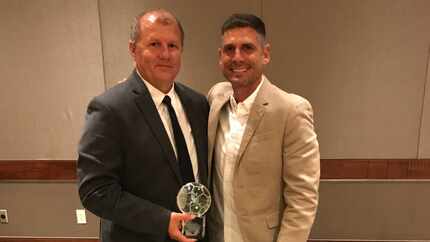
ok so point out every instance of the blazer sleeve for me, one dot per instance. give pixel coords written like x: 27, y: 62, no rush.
x: 301, y: 174
x: 98, y: 169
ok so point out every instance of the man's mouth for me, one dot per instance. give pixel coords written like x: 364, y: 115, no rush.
x: 238, y: 69
x: 164, y: 66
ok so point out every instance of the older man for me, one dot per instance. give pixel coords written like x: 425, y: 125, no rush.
x: 144, y: 138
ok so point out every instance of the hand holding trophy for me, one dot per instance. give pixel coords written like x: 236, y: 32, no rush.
x: 194, y: 198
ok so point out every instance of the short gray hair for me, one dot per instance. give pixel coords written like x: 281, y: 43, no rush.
x: 135, y: 26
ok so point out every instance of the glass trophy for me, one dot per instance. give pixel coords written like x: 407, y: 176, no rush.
x: 194, y: 198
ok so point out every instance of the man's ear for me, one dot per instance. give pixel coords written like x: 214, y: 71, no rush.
x: 266, y: 54
x: 219, y: 56
x: 132, y: 48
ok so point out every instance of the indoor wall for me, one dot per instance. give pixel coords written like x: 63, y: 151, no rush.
x: 363, y: 64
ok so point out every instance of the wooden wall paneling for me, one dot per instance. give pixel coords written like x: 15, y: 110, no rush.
x: 330, y: 169
x: 23, y: 239
x: 38, y: 170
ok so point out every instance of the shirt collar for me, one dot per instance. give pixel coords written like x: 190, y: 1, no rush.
x: 245, y: 106
x: 157, y: 95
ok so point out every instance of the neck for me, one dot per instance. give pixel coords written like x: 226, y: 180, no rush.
x: 241, y: 92
x: 164, y: 88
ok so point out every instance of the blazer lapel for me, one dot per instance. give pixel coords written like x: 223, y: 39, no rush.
x: 146, y: 105
x: 197, y: 130
x: 255, y: 116
x: 213, y: 121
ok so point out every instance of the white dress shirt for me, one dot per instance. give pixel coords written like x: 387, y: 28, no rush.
x: 157, y: 97
x: 232, y: 124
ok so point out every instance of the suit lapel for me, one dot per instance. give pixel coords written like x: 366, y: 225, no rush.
x: 216, y: 106
x: 255, y: 116
x: 146, y: 105
x: 197, y: 130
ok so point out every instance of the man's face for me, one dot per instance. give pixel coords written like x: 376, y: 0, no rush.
x: 157, y: 52
x: 243, y: 56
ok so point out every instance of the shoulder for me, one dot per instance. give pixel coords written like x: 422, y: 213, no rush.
x: 219, y: 89
x: 188, y: 90
x: 285, y: 101
x: 114, y: 95
x: 190, y: 93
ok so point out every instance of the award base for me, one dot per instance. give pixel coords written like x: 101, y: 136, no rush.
x: 194, y: 229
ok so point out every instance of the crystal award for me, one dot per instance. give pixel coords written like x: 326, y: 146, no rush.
x: 194, y: 198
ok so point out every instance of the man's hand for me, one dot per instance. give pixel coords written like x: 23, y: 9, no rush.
x: 176, y: 223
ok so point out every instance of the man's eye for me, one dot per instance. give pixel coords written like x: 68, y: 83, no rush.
x: 154, y: 44
x: 229, y: 49
x: 248, y: 48
x: 173, y: 46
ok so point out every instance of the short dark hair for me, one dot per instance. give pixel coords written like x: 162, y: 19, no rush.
x: 241, y: 20
x: 135, y: 26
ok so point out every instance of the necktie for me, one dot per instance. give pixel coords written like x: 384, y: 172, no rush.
x: 181, y: 147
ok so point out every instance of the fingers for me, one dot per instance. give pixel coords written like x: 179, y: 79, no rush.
x: 182, y: 238
x: 175, y: 224
x: 185, y: 217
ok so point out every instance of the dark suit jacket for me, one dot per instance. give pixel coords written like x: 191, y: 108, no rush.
x: 127, y: 170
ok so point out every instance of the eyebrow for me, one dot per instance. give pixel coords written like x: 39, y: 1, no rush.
x: 241, y: 44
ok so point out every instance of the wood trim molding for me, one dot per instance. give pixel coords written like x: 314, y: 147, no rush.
x: 330, y: 169
x: 346, y: 240
x: 28, y: 239
x: 375, y: 168
x: 6, y: 239
x: 37, y: 170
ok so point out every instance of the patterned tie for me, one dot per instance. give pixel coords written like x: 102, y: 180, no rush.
x: 181, y: 147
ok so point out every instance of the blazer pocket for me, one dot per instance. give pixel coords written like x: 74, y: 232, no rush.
x: 272, y: 220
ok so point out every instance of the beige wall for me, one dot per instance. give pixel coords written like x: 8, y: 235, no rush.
x: 425, y: 121
x: 201, y: 20
x: 373, y: 210
x: 44, y: 209
x: 362, y: 63
x: 50, y: 65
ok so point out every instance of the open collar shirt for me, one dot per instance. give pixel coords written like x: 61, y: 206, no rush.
x: 232, y: 124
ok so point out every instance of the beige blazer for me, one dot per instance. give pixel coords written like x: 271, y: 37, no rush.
x: 276, y: 179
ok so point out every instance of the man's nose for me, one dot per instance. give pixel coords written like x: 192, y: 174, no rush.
x: 237, y: 55
x: 164, y: 52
